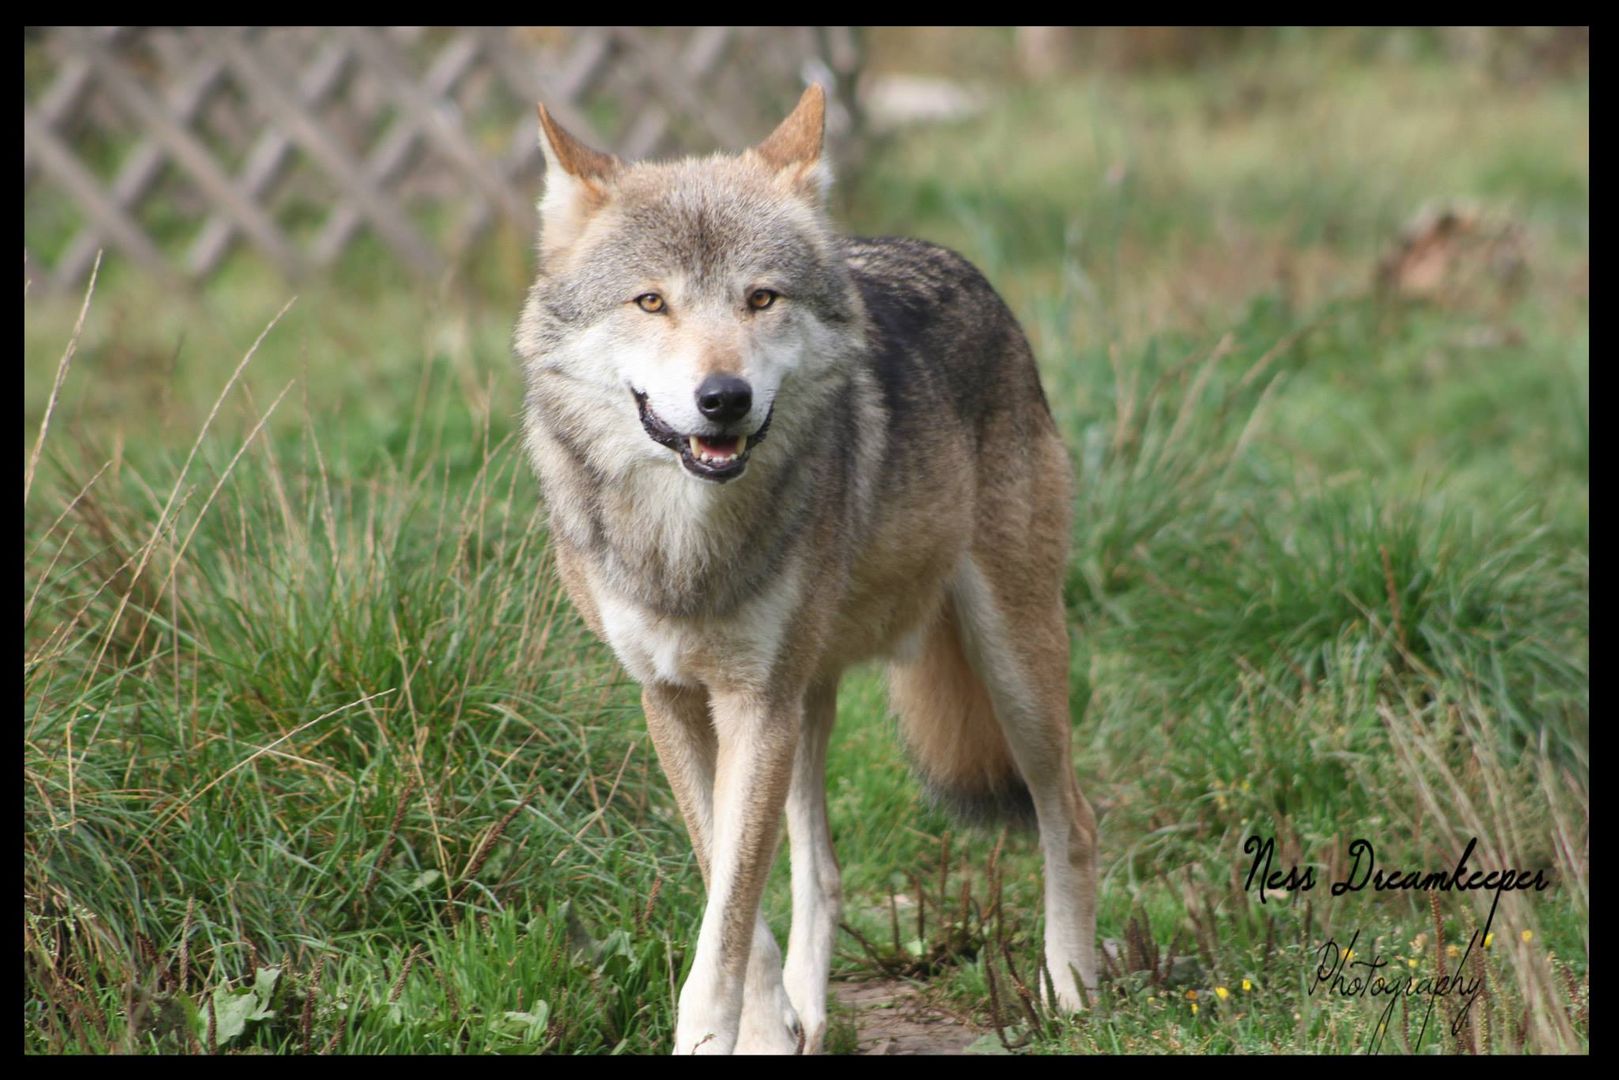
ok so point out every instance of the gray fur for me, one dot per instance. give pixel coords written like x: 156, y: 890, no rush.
x: 911, y: 469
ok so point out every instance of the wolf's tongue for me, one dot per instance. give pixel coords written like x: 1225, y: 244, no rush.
x: 718, y: 446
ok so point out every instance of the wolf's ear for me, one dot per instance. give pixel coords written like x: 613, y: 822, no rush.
x: 793, y: 150
x: 576, y: 179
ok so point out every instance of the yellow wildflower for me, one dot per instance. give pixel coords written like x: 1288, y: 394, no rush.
x: 1222, y: 992
x: 1528, y: 936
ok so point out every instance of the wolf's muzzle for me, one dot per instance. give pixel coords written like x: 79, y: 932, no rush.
x: 711, y: 457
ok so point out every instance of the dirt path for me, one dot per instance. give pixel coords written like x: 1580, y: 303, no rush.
x: 893, y: 1018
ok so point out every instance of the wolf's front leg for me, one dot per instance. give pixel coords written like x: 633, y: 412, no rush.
x: 817, y: 884
x: 757, y: 738
x: 683, y: 733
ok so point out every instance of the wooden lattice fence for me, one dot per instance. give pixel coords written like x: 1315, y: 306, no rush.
x: 169, y: 146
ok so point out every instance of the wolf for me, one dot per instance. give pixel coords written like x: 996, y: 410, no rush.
x: 769, y: 452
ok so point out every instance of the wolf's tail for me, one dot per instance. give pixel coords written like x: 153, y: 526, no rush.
x: 950, y: 728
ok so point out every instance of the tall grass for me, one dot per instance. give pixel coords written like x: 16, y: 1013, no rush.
x: 318, y: 716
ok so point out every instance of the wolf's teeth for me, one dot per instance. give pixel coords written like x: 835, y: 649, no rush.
x: 701, y: 453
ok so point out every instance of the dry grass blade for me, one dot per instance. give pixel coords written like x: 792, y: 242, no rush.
x: 1394, y: 597
x: 871, y: 950
x: 310, y: 995
x: 404, y: 973
x: 1188, y: 409
x: 61, y: 377
x: 387, y: 844
x: 45, y: 575
x: 651, y: 903
x: 185, y: 942
x: 1025, y: 995
x: 481, y: 856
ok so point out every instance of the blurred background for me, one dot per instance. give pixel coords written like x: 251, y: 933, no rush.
x: 1156, y: 177
x: 1311, y: 309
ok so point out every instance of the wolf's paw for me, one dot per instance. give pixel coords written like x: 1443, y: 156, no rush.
x: 771, y: 1028
x: 808, y: 996
x: 814, y: 1028
x: 1068, y: 999
x: 1073, y: 996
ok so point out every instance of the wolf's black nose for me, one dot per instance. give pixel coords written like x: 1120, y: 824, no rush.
x: 724, y: 398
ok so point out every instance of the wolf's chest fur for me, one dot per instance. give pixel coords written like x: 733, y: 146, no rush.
x: 694, y: 650
x: 842, y: 588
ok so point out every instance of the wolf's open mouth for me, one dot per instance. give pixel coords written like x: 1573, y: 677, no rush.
x: 712, y: 457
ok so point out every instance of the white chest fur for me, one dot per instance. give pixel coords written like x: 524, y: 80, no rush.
x: 740, y: 647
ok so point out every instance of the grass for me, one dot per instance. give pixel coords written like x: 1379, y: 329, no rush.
x: 318, y: 758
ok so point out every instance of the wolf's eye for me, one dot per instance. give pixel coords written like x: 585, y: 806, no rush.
x: 759, y: 299
x: 651, y: 303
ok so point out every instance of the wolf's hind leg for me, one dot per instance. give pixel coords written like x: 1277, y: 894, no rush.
x: 1016, y: 639
x: 817, y: 884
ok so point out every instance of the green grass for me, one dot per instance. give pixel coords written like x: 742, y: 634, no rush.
x: 308, y: 701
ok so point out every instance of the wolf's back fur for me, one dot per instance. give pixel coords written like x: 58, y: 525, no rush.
x: 950, y: 357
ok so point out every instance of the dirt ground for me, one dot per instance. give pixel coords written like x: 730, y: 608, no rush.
x: 893, y: 1018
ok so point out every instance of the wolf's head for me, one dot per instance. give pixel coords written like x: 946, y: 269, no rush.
x: 680, y: 305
